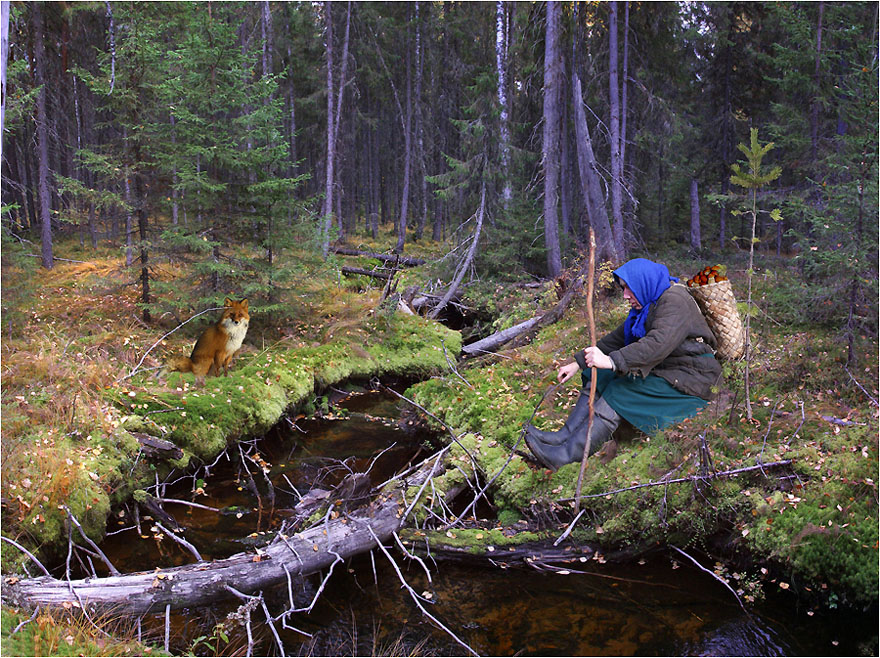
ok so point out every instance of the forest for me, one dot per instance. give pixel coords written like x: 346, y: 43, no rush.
x: 425, y: 201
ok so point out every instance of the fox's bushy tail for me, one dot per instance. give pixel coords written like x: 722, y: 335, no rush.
x: 179, y: 364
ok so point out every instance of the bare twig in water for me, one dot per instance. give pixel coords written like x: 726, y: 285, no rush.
x: 569, y: 528
x: 715, y: 576
x: 417, y: 599
x: 177, y: 501
x: 180, y: 540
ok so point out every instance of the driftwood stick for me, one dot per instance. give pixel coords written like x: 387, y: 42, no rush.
x: 403, y: 260
x: 690, y: 478
x: 177, y: 501
x: 592, y: 323
x: 362, y: 272
x: 569, y: 528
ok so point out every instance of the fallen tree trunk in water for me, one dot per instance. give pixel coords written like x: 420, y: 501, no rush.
x: 203, y: 582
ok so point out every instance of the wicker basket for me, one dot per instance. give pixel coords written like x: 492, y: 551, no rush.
x: 718, y: 305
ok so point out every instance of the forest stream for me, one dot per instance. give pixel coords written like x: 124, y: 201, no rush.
x: 658, y: 605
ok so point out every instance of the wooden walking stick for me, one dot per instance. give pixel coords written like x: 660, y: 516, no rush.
x: 592, y: 324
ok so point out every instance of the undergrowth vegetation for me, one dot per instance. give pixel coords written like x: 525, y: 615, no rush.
x: 82, y: 380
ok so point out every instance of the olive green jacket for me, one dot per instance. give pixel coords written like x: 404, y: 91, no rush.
x: 677, y: 346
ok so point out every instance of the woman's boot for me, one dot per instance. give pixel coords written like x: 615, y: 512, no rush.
x: 576, y: 418
x: 553, y: 456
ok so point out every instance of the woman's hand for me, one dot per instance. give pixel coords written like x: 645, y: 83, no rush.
x: 596, y: 358
x: 567, y: 371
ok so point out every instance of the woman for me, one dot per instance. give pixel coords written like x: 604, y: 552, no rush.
x: 655, y: 369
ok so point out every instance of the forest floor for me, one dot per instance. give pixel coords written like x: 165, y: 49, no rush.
x: 71, y: 408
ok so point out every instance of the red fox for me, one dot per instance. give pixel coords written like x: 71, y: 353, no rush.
x: 217, y: 345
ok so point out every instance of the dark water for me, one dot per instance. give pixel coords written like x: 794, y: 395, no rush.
x: 656, y: 606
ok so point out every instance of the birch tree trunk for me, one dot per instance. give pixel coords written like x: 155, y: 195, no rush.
x: 552, y: 64
x: 42, y: 137
x: 501, y: 48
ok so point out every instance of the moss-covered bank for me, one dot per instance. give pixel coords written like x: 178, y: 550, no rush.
x: 101, y: 470
x: 811, y: 527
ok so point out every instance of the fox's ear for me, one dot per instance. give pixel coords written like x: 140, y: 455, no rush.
x: 228, y: 302
x: 244, y: 302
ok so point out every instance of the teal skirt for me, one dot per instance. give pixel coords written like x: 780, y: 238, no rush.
x: 649, y: 403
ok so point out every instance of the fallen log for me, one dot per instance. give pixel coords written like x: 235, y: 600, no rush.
x: 372, y: 273
x: 386, y: 258
x: 157, y: 448
x: 499, y: 338
x: 203, y: 583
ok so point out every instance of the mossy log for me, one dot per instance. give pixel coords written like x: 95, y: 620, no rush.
x: 204, y: 582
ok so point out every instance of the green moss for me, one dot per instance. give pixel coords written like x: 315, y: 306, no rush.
x: 66, y: 634
x: 478, y: 541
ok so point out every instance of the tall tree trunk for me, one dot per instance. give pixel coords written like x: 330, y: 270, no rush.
x: 695, y: 216
x: 814, y: 106
x: 292, y: 132
x: 623, y: 118
x: 552, y: 74
x: 330, y: 177
x: 591, y: 185
x: 4, y: 53
x: 407, y: 159
x: 42, y: 137
x: 726, y: 130
x: 501, y: 49
x: 129, y: 202
x: 142, y: 235
x: 333, y: 116
x: 614, y: 102
x: 420, y: 128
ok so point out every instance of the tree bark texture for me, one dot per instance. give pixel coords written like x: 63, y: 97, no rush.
x: 330, y: 174
x: 695, y: 216
x: 42, y: 137
x: 552, y: 75
x: 614, y: 102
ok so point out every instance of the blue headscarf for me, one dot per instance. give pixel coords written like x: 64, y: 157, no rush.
x: 648, y: 280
